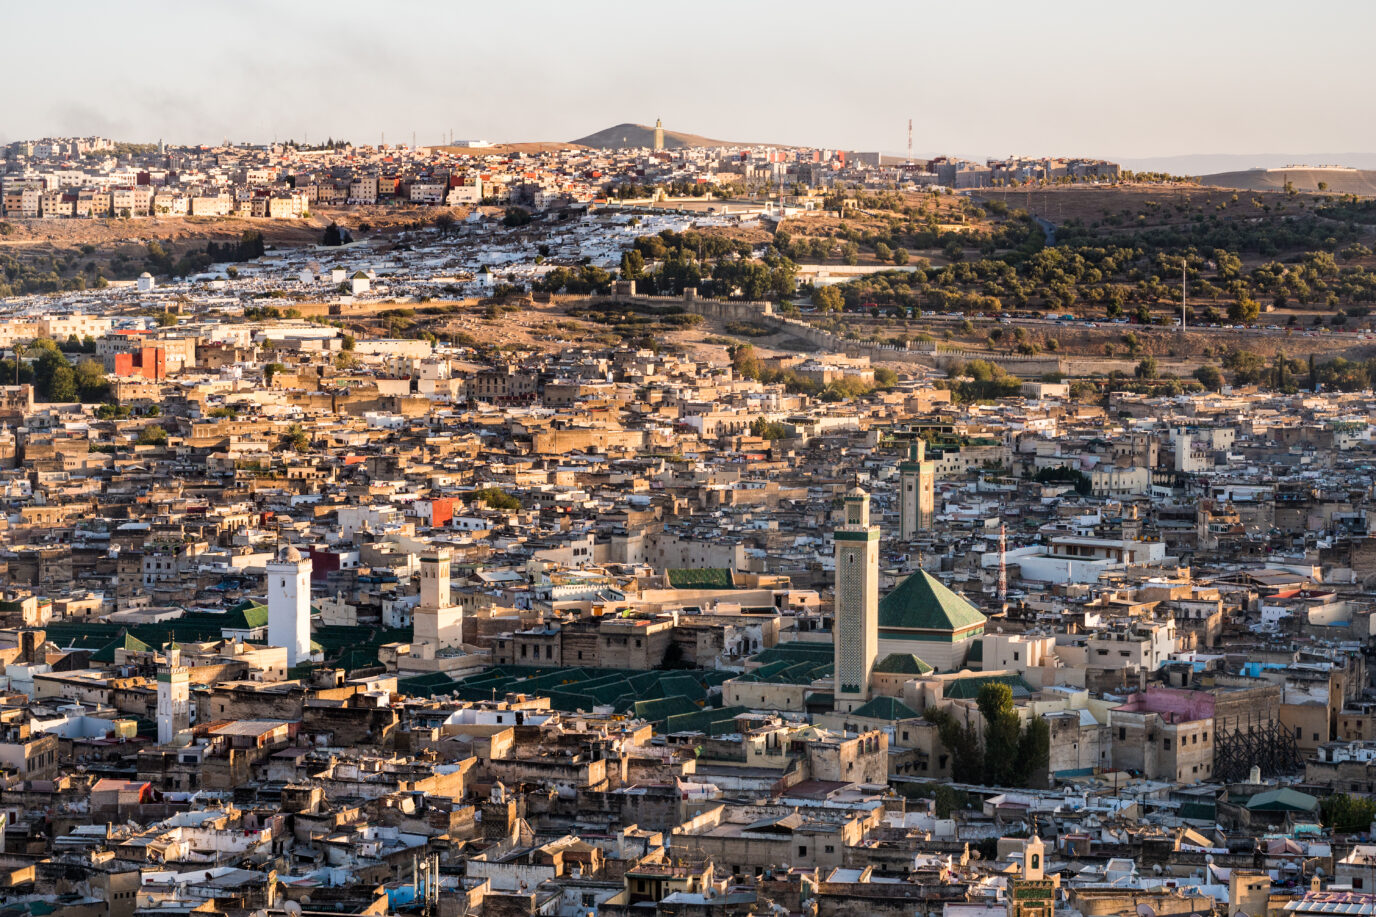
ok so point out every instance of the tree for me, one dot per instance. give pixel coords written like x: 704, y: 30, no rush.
x: 1146, y: 368
x: 771, y: 430
x: 348, y: 342
x: 1210, y: 377
x: 516, y: 216
x: 332, y: 236
x: 1034, y: 751
x: 828, y: 299
x: 967, y: 757
x: 496, y: 498
x: 885, y: 377
x: 152, y: 436
x: 296, y: 438
x: 444, y: 222
x: 90, y: 381
x: 62, y: 383
x: 632, y: 264
x: 271, y: 370
x: 1243, y: 311
x: 1347, y: 814
x: 1001, y: 733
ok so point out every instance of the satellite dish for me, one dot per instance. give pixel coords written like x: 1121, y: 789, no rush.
x: 293, y: 908
x: 1146, y: 910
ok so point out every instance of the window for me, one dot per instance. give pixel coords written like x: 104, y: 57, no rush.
x: 1015, y: 655
x: 830, y: 848
x: 1122, y: 733
x: 802, y: 850
x: 1166, y: 744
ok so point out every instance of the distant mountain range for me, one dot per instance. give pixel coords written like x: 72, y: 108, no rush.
x: 1208, y: 163
x: 635, y: 136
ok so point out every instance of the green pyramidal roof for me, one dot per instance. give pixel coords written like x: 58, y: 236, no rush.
x: 902, y: 664
x: 886, y: 708
x: 922, y: 603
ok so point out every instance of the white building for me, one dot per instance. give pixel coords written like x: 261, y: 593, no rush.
x: 289, y: 605
x: 437, y: 621
x: 174, y: 698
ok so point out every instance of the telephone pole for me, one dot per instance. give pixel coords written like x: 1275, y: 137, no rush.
x: 1183, y: 264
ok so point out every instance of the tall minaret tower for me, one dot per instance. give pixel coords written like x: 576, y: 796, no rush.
x: 174, y: 697
x: 659, y: 135
x: 437, y: 622
x: 917, y: 500
x: 855, y: 631
x: 289, y: 605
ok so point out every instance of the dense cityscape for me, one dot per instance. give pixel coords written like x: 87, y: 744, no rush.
x: 647, y: 524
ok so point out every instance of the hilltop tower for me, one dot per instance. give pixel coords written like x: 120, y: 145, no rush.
x: 855, y: 628
x: 659, y: 135
x: 289, y: 605
x: 917, y: 500
x: 437, y: 622
x: 174, y: 697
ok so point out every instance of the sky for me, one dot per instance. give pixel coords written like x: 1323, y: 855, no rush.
x: 1110, y: 78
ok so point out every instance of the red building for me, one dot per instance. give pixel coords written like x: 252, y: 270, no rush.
x: 148, y: 362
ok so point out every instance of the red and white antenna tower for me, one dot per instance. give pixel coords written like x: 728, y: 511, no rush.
x: 1003, y: 564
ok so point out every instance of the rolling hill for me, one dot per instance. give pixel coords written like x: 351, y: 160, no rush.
x: 634, y: 136
x: 1303, y: 178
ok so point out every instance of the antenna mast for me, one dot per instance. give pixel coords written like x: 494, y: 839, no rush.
x: 910, y: 141
x: 1184, y: 261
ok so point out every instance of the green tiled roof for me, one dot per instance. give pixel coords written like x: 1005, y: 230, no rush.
x: 902, y: 664
x: 921, y: 602
x: 1284, y: 799
x: 968, y: 688
x: 886, y: 708
x: 713, y: 722
x: 125, y: 641
x: 707, y: 578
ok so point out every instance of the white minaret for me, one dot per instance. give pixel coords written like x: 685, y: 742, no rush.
x: 437, y: 623
x: 917, y: 497
x: 1033, y: 857
x: 855, y: 631
x: 289, y: 605
x: 174, y: 697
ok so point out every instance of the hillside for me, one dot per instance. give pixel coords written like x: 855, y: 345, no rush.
x: 1336, y: 180
x: 633, y: 136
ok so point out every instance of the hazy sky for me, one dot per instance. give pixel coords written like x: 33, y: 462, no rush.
x: 1108, y: 78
